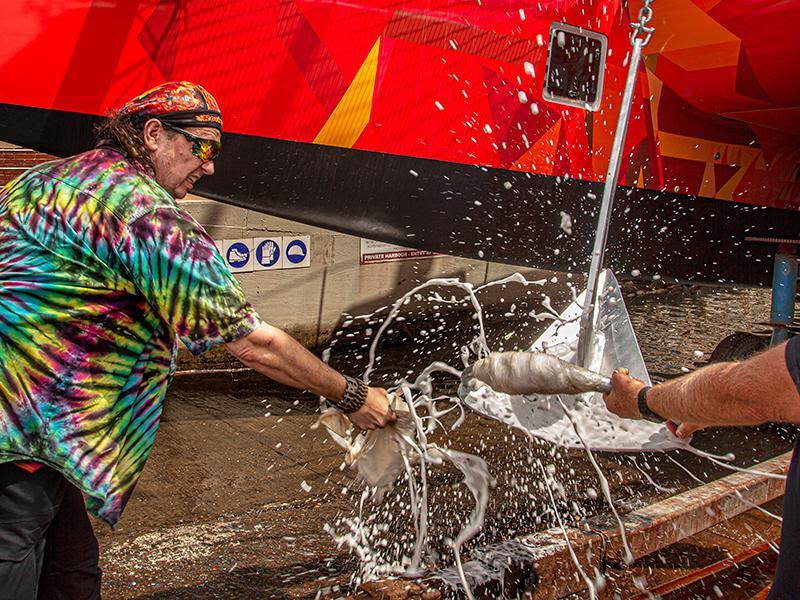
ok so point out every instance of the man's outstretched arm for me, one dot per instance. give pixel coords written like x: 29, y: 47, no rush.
x: 751, y: 392
x: 276, y: 354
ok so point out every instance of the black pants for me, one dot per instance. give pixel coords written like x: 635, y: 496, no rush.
x: 47, y: 546
x: 787, y: 578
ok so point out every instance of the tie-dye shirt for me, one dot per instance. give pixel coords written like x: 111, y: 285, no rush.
x: 100, y: 274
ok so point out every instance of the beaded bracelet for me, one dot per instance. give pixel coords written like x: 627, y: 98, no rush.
x: 355, y: 394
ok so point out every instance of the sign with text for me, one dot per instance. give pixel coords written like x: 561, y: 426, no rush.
x: 380, y: 252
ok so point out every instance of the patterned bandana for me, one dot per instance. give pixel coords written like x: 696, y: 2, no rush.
x: 179, y: 103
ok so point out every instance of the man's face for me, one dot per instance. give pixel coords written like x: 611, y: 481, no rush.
x: 176, y: 168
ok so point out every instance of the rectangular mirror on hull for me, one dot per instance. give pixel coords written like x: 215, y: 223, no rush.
x: 575, y: 65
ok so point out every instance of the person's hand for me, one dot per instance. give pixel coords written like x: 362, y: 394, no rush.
x: 682, y: 430
x: 375, y: 413
x: 622, y: 399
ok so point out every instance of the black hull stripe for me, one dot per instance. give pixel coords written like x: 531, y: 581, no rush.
x: 464, y: 210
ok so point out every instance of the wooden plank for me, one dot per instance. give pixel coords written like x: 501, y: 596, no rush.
x: 541, y: 563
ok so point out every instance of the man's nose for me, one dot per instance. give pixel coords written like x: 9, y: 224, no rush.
x: 208, y: 167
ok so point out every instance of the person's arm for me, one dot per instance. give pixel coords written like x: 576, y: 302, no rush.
x: 175, y: 265
x: 274, y: 353
x: 751, y: 392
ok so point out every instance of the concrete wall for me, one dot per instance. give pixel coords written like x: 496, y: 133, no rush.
x: 309, y: 303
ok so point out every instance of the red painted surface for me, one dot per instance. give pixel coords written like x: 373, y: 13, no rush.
x: 725, y: 98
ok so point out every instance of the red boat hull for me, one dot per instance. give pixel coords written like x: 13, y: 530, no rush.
x: 411, y: 122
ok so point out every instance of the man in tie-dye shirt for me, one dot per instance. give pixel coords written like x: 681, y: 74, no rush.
x: 101, y: 273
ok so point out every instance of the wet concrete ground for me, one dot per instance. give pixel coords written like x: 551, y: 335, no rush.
x: 223, y: 510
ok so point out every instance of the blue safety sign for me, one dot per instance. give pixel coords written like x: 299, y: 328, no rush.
x: 268, y: 252
x: 238, y: 254
x: 296, y: 252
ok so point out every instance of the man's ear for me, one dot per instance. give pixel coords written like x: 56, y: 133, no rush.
x: 152, y: 134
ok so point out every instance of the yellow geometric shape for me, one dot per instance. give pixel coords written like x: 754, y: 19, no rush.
x: 690, y: 148
x: 640, y: 179
x: 708, y: 186
x: 726, y: 191
x: 348, y: 120
x: 540, y: 158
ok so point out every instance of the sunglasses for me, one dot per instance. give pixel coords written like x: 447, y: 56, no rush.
x: 203, y: 148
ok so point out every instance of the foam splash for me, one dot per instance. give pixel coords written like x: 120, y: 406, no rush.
x: 410, y: 553
x: 418, y: 454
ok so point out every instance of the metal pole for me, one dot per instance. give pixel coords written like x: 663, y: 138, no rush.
x: 586, y: 334
x: 784, y: 290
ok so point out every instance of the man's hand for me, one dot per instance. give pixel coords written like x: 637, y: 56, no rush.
x: 375, y: 413
x: 682, y: 430
x: 622, y: 399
